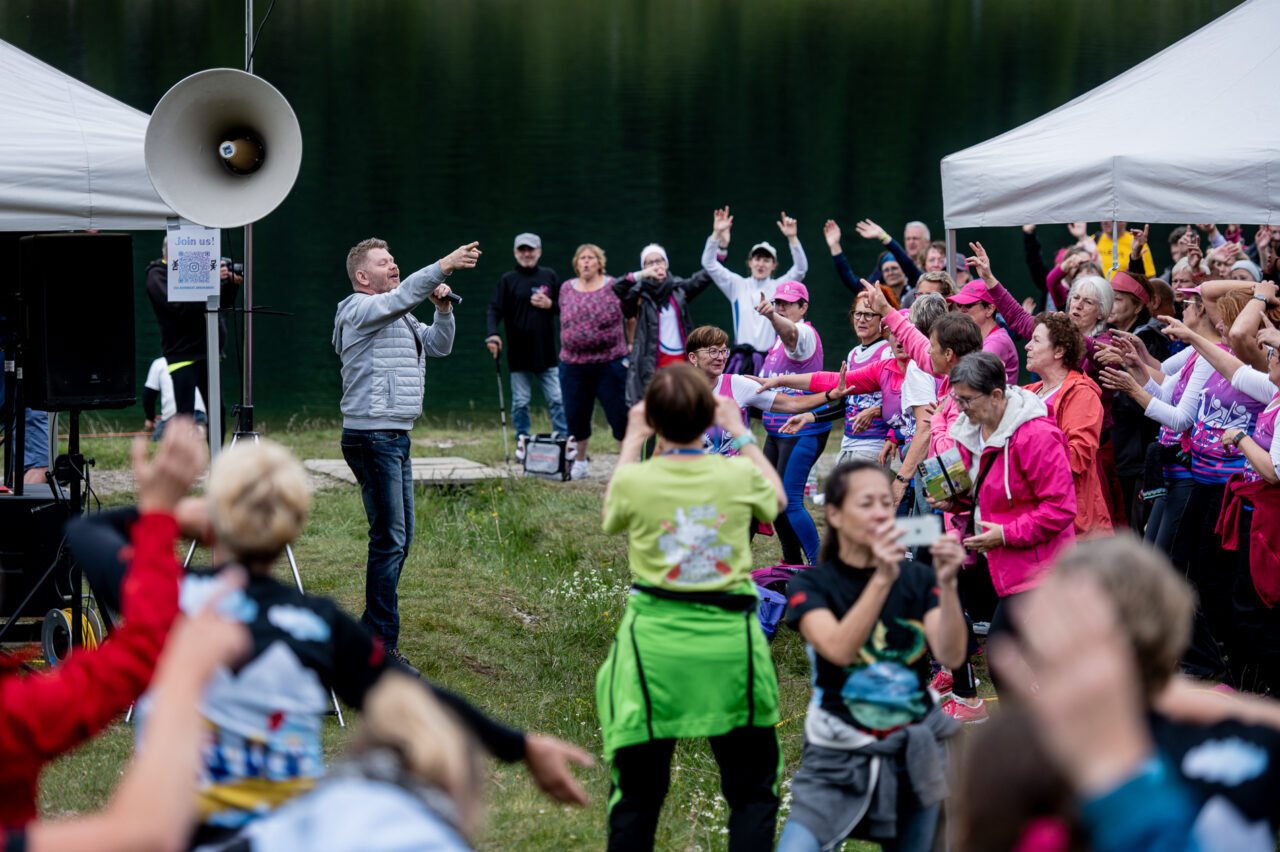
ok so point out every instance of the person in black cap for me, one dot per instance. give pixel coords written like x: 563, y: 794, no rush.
x: 525, y: 299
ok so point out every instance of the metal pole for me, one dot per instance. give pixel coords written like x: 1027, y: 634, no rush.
x: 502, y: 410
x: 213, y: 404
x: 951, y: 247
x: 245, y: 422
x: 1115, y: 246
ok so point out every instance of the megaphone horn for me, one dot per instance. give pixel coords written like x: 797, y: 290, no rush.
x: 223, y: 148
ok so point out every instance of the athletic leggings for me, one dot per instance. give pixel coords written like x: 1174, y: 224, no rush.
x: 793, y: 457
x: 186, y: 379
x: 749, y: 762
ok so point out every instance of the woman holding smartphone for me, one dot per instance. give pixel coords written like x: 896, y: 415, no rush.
x: 873, y: 765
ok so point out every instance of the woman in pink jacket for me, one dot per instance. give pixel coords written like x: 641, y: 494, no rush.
x: 1017, y: 459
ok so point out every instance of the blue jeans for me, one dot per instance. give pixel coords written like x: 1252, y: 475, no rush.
x: 522, y: 392
x: 916, y: 831
x: 793, y: 457
x: 380, y: 461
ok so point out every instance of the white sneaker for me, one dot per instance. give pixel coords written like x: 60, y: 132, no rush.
x: 579, y: 470
x: 521, y: 441
x: 571, y: 449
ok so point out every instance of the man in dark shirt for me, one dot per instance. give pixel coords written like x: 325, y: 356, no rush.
x: 526, y: 299
x: 183, y: 339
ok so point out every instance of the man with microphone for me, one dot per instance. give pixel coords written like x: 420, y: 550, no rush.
x: 383, y: 348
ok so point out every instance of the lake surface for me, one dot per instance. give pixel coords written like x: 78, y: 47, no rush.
x: 619, y: 122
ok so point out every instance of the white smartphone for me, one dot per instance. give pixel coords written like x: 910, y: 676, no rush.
x: 920, y: 530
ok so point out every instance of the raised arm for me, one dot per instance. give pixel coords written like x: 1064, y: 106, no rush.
x: 871, y: 231
x: 850, y: 279
x: 1015, y: 316
x: 723, y: 278
x: 799, y: 263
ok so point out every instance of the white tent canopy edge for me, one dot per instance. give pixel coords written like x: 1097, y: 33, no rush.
x: 1090, y: 159
x: 71, y: 157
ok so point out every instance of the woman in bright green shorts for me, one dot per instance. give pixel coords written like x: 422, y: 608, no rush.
x: 690, y: 659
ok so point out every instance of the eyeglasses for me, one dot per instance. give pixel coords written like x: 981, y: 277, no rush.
x: 654, y: 261
x: 864, y: 316
x: 963, y: 402
x: 714, y: 351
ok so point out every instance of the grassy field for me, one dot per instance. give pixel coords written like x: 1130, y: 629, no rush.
x: 511, y: 596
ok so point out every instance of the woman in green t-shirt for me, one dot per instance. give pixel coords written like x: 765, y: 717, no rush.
x: 690, y: 659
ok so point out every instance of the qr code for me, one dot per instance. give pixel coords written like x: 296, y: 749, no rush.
x: 194, y: 267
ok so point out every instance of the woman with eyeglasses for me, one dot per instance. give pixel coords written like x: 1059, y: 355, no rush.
x: 1023, y: 500
x: 707, y: 349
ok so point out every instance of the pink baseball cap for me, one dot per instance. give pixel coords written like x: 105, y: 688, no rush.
x: 791, y: 291
x: 1190, y: 291
x: 974, y: 291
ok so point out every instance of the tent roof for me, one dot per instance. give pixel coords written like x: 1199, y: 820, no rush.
x: 1090, y: 159
x: 70, y: 157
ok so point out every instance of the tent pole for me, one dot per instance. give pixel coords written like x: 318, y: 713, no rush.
x: 1115, y: 246
x: 951, y: 249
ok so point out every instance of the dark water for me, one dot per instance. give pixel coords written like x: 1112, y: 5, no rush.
x: 437, y: 122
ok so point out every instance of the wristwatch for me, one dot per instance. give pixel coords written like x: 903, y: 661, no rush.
x: 904, y: 480
x: 1240, y: 436
x: 742, y: 440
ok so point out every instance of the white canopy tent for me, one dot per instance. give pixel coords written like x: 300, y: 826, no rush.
x: 70, y: 156
x: 1090, y: 159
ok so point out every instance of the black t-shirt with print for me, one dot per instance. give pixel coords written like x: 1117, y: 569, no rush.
x: 886, y: 686
x: 1232, y: 759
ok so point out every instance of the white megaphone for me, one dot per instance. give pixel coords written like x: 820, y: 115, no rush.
x: 223, y: 148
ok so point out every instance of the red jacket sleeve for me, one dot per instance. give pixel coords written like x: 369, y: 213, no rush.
x: 45, y: 715
x: 1080, y: 419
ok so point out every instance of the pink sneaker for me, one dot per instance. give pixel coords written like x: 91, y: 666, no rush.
x: 942, y: 683
x: 962, y: 712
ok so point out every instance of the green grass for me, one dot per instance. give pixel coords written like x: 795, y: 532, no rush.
x: 511, y: 596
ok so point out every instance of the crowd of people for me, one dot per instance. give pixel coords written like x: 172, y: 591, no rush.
x: 1106, y: 527
x: 1143, y: 411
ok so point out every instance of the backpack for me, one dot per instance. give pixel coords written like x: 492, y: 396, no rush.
x: 770, y: 611
x: 771, y: 583
x: 546, y: 457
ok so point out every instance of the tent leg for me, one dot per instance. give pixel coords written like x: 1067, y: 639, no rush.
x: 951, y: 249
x: 1115, y: 247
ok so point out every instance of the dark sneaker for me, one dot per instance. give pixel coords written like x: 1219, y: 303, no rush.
x: 394, y: 655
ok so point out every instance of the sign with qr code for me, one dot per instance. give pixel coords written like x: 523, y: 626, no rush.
x: 194, y: 255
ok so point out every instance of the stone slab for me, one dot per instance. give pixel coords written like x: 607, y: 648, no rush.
x: 442, y: 469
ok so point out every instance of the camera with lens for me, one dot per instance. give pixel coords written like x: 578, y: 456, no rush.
x: 236, y: 268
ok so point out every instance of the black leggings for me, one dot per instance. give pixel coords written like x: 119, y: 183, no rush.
x: 748, y: 759
x: 186, y: 379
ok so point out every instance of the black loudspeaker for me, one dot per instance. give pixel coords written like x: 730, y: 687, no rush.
x: 77, y: 307
x: 31, y: 543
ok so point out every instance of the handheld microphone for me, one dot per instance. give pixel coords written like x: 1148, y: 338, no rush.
x: 454, y: 297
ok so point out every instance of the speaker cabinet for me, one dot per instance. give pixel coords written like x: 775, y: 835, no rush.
x: 33, y: 526
x: 77, y: 300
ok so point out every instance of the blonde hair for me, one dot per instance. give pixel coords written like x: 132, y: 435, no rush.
x: 402, y: 715
x: 594, y: 249
x: 1154, y: 604
x: 259, y: 498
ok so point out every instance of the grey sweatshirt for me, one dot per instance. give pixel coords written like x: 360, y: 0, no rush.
x: 383, y: 349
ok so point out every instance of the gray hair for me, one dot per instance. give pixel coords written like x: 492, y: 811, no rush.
x: 982, y: 371
x: 1102, y: 292
x: 925, y: 311
x: 948, y: 283
x: 921, y: 224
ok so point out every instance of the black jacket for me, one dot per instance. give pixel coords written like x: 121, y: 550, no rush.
x: 531, y: 332
x: 182, y: 332
x: 648, y: 298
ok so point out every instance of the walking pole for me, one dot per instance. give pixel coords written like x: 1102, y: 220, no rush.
x: 502, y: 409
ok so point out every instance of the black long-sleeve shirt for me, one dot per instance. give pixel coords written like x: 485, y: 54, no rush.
x: 531, y: 332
